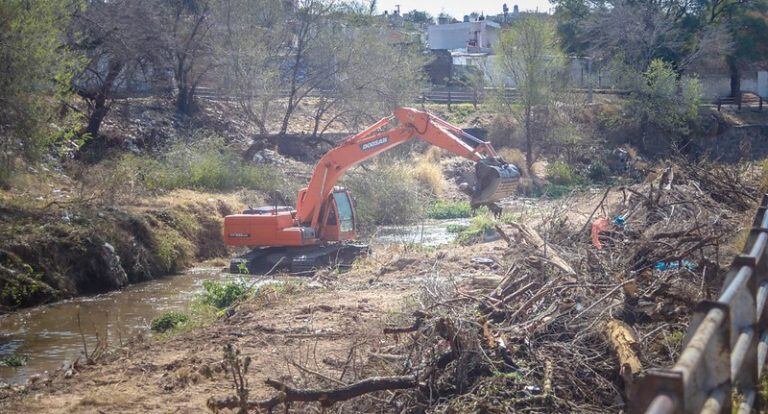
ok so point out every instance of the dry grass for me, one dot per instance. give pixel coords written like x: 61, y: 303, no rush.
x: 434, y: 155
x: 429, y: 175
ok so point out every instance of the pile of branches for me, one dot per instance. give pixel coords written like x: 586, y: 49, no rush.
x: 568, y: 327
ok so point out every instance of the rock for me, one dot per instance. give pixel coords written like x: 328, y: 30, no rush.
x: 314, y: 285
x: 483, y: 261
x: 114, y: 269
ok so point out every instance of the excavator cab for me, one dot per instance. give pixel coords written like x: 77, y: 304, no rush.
x: 338, y: 216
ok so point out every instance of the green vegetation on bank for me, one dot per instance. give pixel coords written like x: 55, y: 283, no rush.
x: 222, y: 295
x: 168, y: 321
x: 13, y: 360
x: 480, y: 225
x: 448, y: 209
x: 205, y: 164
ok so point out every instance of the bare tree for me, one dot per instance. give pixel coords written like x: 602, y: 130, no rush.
x: 276, y: 57
x: 117, y: 50
x: 185, y: 27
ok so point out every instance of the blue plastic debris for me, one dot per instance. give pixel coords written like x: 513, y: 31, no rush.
x: 662, y: 266
x: 619, y: 221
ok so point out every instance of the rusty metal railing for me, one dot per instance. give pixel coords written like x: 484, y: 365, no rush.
x: 725, y: 347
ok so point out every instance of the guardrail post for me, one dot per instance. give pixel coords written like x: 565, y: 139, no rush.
x: 657, y: 383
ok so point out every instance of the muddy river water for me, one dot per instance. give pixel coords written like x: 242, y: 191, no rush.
x: 49, y: 336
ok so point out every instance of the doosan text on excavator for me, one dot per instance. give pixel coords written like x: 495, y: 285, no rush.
x: 319, y: 231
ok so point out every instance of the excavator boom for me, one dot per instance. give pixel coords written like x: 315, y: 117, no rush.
x: 325, y: 213
x: 495, y: 179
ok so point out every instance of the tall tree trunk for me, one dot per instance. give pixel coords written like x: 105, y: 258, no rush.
x: 185, y: 91
x: 528, y: 140
x: 185, y: 100
x: 735, y: 80
x: 100, y: 99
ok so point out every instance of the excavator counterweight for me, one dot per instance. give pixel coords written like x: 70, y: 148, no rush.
x: 314, y: 233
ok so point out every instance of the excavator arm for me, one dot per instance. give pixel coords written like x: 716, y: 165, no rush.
x: 495, y: 178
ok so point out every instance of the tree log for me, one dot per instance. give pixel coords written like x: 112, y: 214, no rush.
x: 326, y: 398
x: 625, y: 345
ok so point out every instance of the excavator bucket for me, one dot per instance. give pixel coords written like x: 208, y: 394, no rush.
x: 495, y: 180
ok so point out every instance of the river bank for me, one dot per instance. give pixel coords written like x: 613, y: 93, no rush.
x: 60, y: 248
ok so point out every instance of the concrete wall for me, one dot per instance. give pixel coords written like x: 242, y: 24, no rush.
x: 457, y: 35
x: 720, y: 85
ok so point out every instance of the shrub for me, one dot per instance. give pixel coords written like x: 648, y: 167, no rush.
x: 173, y: 251
x: 598, y: 171
x: 386, y: 194
x: 168, y: 321
x: 659, y: 97
x: 433, y: 155
x: 560, y: 173
x: 222, y: 295
x: 454, y: 228
x: 550, y: 190
x: 205, y: 165
x: 442, y: 209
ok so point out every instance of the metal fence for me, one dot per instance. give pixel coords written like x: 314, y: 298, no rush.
x: 721, y: 363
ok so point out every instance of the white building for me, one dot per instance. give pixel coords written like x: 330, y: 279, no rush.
x: 476, y: 35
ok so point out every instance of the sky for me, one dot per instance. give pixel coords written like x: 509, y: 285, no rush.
x: 458, y: 8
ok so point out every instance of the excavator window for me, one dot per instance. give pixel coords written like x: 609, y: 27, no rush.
x: 346, y: 217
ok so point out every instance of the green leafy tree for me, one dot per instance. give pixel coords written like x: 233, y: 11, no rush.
x: 660, y: 101
x: 529, y: 54
x: 34, y: 67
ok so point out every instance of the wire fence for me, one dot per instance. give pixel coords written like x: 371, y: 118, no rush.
x: 720, y: 366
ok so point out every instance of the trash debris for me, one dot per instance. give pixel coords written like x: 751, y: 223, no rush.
x: 600, y: 225
x: 662, y: 266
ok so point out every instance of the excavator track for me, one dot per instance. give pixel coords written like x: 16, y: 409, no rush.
x: 297, y: 260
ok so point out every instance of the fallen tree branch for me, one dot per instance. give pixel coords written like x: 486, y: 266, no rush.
x: 326, y: 398
x: 405, y: 329
x: 534, y: 240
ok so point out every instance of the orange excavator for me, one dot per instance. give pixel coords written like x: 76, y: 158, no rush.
x: 314, y: 233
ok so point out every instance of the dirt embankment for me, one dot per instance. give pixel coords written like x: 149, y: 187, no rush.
x: 57, y: 250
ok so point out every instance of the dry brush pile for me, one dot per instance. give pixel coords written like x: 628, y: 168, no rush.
x: 557, y: 325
